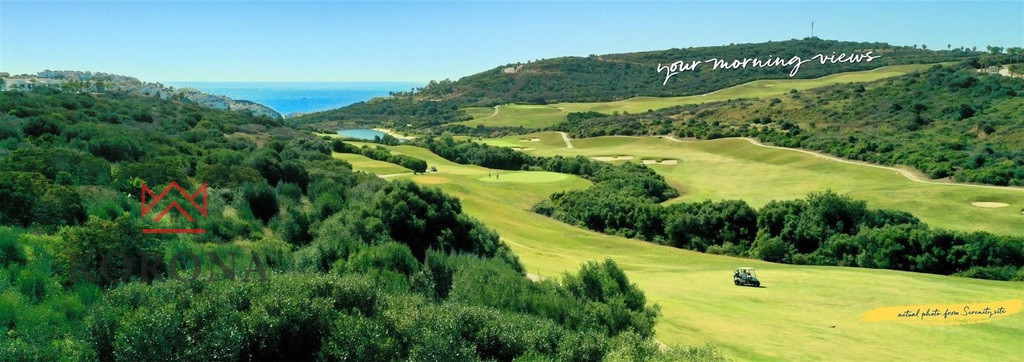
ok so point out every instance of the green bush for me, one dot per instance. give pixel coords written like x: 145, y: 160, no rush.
x: 390, y: 256
x: 995, y: 273
x: 261, y: 200
x: 612, y: 304
x: 357, y: 338
x: 82, y: 250
x: 28, y: 197
x: 772, y: 249
x: 292, y: 225
x: 10, y: 250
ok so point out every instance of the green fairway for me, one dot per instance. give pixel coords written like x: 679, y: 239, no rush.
x: 524, y: 177
x: 803, y: 312
x: 540, y: 116
x: 737, y: 169
x: 366, y: 164
x: 545, y: 141
x: 479, y: 112
x: 529, y: 116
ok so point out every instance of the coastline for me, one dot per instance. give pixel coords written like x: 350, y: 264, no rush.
x: 395, y: 134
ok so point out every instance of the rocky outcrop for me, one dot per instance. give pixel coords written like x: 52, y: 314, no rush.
x: 216, y: 101
x: 97, y: 82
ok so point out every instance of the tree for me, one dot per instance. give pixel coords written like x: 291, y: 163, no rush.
x: 261, y: 199
x: 386, y: 257
x: 772, y: 249
x: 292, y: 225
x: 606, y: 283
x: 105, y: 252
x: 81, y: 168
x: 1017, y: 54
x: 268, y: 163
x: 28, y: 197
x: 425, y: 218
x: 37, y: 127
x: 699, y: 225
x: 964, y: 111
x: 59, y: 206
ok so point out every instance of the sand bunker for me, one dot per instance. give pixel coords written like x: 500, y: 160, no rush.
x: 534, y: 139
x: 989, y: 204
x: 663, y: 162
x: 523, y: 148
x: 611, y: 158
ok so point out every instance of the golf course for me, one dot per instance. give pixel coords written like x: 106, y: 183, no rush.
x: 738, y: 168
x: 830, y: 313
x: 364, y: 163
x: 528, y: 181
x: 822, y: 306
x: 541, y: 116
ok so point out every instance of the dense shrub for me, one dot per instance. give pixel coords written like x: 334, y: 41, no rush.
x: 28, y: 198
x: 261, y: 200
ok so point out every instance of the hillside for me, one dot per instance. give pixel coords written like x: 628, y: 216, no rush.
x: 612, y: 77
x: 600, y: 78
x: 299, y: 257
x: 818, y: 305
x: 99, y: 82
x: 947, y: 121
x: 744, y: 169
x: 542, y: 116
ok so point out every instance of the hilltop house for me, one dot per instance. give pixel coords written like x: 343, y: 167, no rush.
x: 27, y: 84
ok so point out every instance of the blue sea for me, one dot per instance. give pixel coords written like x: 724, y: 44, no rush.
x: 305, y: 97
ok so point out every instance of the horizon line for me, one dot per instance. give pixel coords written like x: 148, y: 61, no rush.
x: 290, y: 81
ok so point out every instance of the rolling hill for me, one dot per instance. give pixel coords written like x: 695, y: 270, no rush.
x: 736, y: 168
x: 543, y: 116
x: 947, y: 121
x: 820, y: 307
x: 615, y: 77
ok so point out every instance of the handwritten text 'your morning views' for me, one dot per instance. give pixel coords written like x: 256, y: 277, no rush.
x: 795, y: 62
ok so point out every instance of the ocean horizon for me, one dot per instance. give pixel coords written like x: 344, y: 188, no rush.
x: 300, y: 97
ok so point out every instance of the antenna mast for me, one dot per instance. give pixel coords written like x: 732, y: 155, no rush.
x: 812, y: 29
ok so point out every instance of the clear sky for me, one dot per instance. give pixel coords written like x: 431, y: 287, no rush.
x: 419, y: 41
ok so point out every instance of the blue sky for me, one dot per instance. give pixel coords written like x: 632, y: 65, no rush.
x: 419, y: 41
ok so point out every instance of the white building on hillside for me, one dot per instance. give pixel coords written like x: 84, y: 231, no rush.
x: 28, y: 84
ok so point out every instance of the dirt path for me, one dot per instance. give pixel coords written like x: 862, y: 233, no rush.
x: 492, y: 114
x: 565, y: 137
x: 390, y: 175
x: 911, y: 175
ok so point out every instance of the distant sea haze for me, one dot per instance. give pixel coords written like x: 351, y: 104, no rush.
x: 300, y: 97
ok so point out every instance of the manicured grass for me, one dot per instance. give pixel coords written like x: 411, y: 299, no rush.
x: 479, y: 112
x: 529, y: 116
x: 543, y: 140
x: 534, y: 116
x: 736, y: 169
x: 524, y: 177
x: 366, y: 164
x: 803, y: 312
